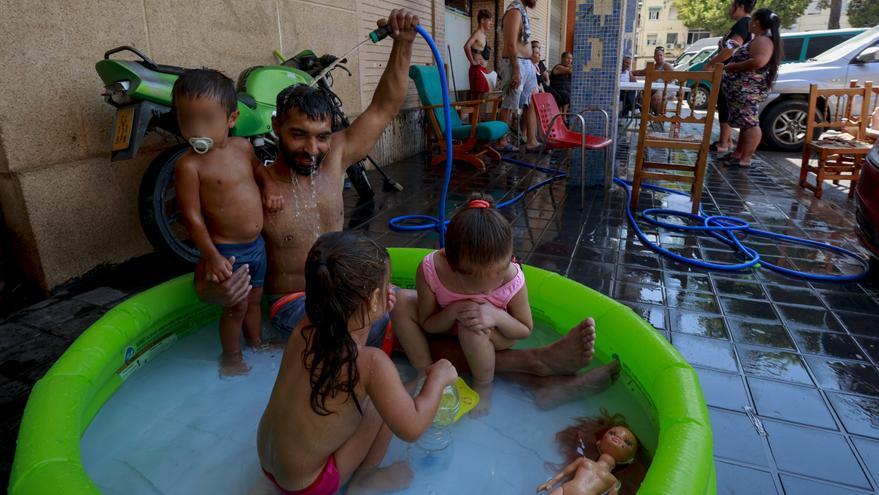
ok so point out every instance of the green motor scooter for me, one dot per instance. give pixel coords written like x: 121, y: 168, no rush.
x: 140, y: 90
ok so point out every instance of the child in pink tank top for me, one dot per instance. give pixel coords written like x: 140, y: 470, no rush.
x: 474, y: 290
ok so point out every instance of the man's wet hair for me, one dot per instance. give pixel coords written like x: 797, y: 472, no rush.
x: 206, y: 83
x: 311, y: 101
x: 483, y: 14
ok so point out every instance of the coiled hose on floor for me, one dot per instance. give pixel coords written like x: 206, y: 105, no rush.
x: 727, y: 229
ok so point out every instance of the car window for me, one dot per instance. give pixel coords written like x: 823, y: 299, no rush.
x: 820, y: 44
x: 703, y: 56
x: 791, y: 49
x: 844, y: 48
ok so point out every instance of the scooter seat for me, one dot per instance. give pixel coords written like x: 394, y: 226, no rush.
x: 167, y: 69
x: 247, y: 100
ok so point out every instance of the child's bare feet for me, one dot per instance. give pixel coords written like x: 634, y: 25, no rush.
x: 233, y: 364
x: 259, y: 346
x: 367, y: 481
x: 571, y: 353
x: 482, y: 407
x: 559, y: 390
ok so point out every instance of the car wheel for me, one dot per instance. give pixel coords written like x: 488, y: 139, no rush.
x: 784, y: 125
x: 700, y: 97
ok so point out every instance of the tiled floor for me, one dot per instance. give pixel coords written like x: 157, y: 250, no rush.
x: 788, y: 367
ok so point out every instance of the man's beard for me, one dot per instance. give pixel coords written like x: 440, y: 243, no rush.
x: 292, y: 160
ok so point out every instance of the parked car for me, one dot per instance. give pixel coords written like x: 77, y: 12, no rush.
x: 867, y: 202
x: 797, y: 47
x: 783, y: 115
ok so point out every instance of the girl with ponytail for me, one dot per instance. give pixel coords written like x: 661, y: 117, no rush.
x: 474, y: 290
x: 336, y: 402
x: 747, y: 81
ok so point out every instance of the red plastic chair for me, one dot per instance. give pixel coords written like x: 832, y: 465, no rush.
x: 558, y: 136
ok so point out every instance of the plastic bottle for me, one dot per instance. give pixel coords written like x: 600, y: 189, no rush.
x: 438, y: 436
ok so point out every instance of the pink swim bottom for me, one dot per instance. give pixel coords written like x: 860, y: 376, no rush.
x: 327, y: 482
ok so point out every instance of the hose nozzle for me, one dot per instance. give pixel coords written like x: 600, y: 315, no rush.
x: 380, y: 34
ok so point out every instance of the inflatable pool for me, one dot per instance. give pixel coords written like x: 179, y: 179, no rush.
x: 63, y: 403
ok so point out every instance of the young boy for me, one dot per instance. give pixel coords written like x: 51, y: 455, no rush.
x: 218, y: 194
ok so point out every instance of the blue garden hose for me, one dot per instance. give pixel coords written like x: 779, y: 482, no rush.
x: 725, y: 229
x: 409, y: 223
x: 722, y: 228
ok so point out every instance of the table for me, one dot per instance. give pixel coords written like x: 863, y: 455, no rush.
x: 639, y: 86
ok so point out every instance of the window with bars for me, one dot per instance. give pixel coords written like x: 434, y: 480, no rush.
x: 653, y: 13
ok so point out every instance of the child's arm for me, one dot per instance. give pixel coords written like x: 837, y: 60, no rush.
x: 406, y: 417
x: 568, y: 471
x: 515, y: 323
x: 217, y: 268
x: 431, y: 318
x: 272, y: 199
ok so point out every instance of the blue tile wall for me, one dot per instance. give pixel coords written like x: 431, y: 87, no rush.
x: 598, y: 86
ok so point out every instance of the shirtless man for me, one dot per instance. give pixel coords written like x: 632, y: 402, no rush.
x: 656, y: 103
x: 478, y: 52
x: 516, y: 71
x: 308, y: 173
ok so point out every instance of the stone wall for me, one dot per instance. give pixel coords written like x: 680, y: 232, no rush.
x: 66, y: 206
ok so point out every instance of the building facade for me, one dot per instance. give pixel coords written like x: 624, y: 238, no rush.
x: 657, y: 24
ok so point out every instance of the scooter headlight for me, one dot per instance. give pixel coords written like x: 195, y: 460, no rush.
x: 117, y: 93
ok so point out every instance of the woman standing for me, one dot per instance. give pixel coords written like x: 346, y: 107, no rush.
x: 560, y: 80
x: 747, y: 80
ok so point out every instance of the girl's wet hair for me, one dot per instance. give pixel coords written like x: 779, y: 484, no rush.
x: 581, y: 439
x: 342, y: 271
x: 206, y: 83
x: 770, y: 21
x: 478, y: 235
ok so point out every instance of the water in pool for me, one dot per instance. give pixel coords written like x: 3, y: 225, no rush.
x: 175, y: 427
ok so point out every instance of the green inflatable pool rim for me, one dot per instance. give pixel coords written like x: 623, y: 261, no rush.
x: 66, y: 399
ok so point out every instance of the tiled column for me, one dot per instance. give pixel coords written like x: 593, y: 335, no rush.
x: 598, y: 43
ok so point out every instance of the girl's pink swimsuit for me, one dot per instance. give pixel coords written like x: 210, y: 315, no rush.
x: 499, y: 297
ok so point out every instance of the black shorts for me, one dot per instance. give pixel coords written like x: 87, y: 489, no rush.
x: 722, y: 107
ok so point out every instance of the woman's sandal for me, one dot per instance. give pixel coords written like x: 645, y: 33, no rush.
x: 736, y: 163
x: 714, y: 148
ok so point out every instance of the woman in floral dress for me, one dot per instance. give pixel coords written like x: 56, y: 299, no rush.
x: 747, y: 80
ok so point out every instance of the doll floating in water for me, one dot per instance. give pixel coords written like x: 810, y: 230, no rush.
x: 614, y: 448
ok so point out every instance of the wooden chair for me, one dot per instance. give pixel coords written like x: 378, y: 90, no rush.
x: 557, y: 135
x: 839, y: 116
x: 473, y: 139
x: 675, y: 138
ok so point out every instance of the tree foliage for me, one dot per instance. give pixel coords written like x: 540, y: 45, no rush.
x: 863, y: 13
x: 712, y: 14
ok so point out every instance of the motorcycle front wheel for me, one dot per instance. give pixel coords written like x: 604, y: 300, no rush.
x: 160, y: 215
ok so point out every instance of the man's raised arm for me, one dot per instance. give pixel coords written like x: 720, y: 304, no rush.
x: 357, y: 140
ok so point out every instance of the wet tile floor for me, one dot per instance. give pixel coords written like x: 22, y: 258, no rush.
x: 788, y: 367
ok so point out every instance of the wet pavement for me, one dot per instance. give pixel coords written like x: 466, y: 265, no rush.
x: 788, y: 367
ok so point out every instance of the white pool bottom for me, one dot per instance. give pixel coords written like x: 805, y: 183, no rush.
x: 175, y: 428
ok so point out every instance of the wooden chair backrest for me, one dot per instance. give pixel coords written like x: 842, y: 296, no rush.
x: 678, y: 113
x: 840, y: 108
